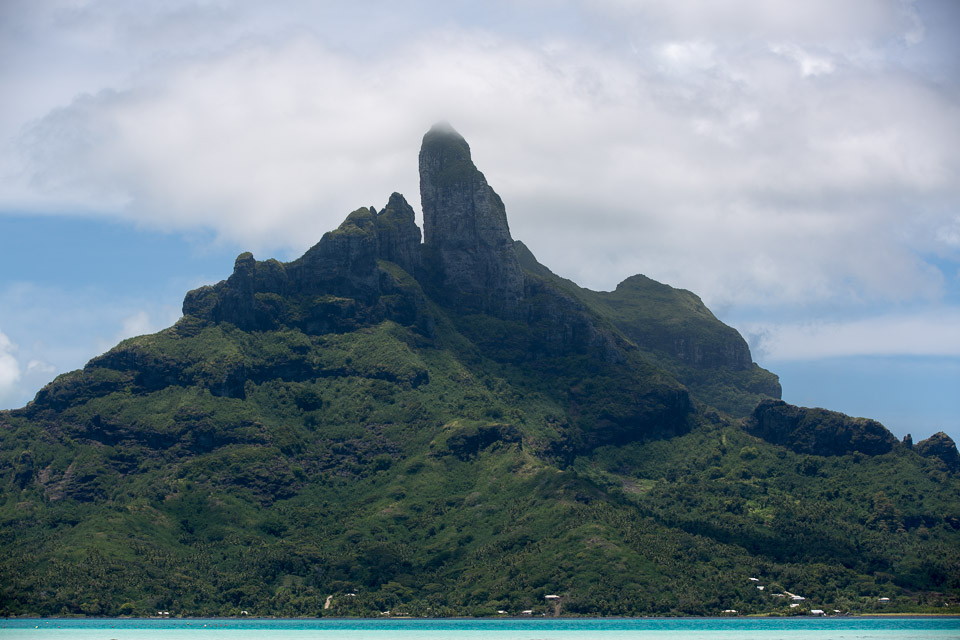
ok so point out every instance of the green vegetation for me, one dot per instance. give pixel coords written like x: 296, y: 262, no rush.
x: 674, y: 330
x: 426, y: 480
x: 324, y: 429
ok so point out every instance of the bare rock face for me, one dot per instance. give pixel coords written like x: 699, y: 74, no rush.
x: 942, y: 446
x: 344, y: 262
x: 398, y: 235
x: 466, y: 236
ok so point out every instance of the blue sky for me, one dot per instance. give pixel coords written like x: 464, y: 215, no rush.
x: 794, y: 164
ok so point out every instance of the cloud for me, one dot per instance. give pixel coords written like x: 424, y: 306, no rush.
x: 143, y: 322
x: 931, y: 333
x: 40, y: 367
x: 9, y: 368
x: 137, y: 324
x: 683, y: 57
x: 949, y: 233
x: 824, y: 20
x: 810, y: 64
x: 760, y: 153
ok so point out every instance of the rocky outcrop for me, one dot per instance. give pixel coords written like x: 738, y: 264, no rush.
x: 941, y: 446
x: 676, y: 323
x: 398, y: 236
x: 235, y: 299
x: 466, y: 236
x: 344, y: 262
x: 817, y: 431
x: 337, y: 285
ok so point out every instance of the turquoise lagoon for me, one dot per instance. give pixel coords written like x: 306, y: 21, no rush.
x: 886, y: 628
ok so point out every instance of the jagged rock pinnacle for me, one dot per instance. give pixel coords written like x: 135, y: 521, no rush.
x: 465, y: 229
x: 398, y: 234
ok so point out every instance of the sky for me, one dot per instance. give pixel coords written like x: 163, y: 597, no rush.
x: 795, y: 164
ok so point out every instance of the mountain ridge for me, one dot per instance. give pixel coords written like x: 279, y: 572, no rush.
x: 447, y: 427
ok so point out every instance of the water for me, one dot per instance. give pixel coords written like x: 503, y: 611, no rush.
x: 569, y: 629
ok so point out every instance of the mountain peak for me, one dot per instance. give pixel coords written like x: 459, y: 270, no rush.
x: 449, y: 154
x: 465, y: 228
x: 444, y: 128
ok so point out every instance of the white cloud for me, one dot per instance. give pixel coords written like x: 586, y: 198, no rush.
x: 9, y: 368
x: 917, y: 30
x: 137, y: 324
x: 142, y: 322
x: 810, y: 64
x: 949, y: 233
x: 930, y: 333
x: 40, y: 367
x: 687, y: 56
x: 807, y: 172
x: 775, y: 19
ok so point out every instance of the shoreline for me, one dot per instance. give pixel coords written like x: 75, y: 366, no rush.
x: 757, y: 616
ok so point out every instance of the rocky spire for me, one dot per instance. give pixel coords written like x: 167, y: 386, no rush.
x: 466, y: 236
x: 398, y: 234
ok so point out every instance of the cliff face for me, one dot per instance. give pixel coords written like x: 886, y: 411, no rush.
x: 337, y: 285
x: 465, y: 229
x: 398, y: 236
